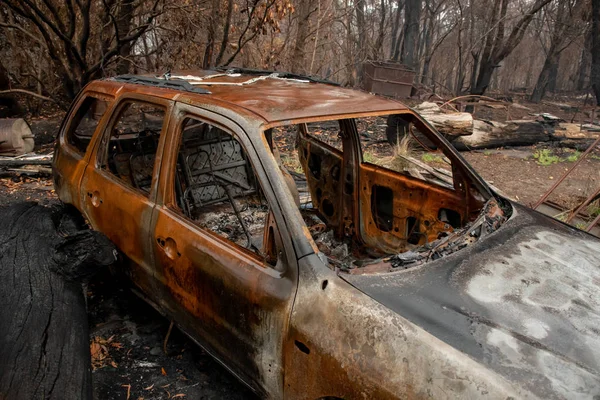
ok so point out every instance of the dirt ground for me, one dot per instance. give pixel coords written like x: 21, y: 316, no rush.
x: 520, y: 176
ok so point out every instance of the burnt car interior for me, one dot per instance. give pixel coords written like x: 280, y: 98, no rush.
x: 365, y: 213
x: 133, y: 144
x: 85, y: 121
x: 216, y: 187
x: 382, y: 213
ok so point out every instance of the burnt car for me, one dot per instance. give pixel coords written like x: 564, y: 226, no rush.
x: 248, y: 210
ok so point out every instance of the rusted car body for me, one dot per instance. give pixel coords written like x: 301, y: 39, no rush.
x: 446, y: 291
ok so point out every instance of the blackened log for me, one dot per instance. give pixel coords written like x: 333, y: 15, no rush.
x: 490, y: 134
x: 45, y: 256
x: 19, y: 162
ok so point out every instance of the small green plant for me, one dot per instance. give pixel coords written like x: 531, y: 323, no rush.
x: 369, y: 157
x: 545, y: 157
x: 561, y: 217
x: 574, y: 156
x: 432, y: 158
x: 581, y: 225
x: 487, y: 153
x: 292, y: 163
x: 593, y: 209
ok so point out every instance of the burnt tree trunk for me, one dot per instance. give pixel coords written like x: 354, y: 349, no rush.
x: 298, y: 55
x: 549, y: 71
x: 44, y: 338
x: 497, y: 45
x: 226, y: 29
x: 584, y: 61
x: 13, y: 108
x: 595, y: 74
x: 395, y: 31
x: 491, y: 134
x: 408, y: 56
x: 124, y: 18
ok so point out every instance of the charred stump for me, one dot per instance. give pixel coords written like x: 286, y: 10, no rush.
x: 45, y: 255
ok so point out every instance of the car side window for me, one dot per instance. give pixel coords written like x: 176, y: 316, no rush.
x: 216, y: 187
x: 133, y: 142
x: 84, y: 123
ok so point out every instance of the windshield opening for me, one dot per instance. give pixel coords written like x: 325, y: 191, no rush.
x: 379, y: 193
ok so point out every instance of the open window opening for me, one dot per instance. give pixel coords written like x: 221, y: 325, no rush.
x: 403, y: 201
x: 217, y: 189
x: 85, y: 121
x: 133, y: 143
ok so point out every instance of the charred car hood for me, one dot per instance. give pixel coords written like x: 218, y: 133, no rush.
x: 524, y: 302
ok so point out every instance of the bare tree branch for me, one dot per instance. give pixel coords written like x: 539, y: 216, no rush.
x: 28, y: 93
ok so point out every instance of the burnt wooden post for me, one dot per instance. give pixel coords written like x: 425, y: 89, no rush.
x: 45, y: 255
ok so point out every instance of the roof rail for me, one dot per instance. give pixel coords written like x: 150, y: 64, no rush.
x: 280, y: 74
x: 175, y: 84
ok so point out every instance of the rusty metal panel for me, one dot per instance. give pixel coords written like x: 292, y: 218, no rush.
x: 415, y: 204
x: 271, y: 99
x: 380, y: 355
x: 388, y: 79
x: 216, y: 158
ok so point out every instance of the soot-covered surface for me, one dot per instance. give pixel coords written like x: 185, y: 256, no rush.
x: 524, y: 303
x: 132, y: 332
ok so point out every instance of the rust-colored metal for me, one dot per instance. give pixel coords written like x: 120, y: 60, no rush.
x: 277, y: 314
x: 388, y: 78
x: 582, y: 206
x: 593, y: 224
x: 562, y: 178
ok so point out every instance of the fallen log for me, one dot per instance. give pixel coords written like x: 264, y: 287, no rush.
x: 16, y: 172
x: 45, y: 255
x: 449, y: 124
x: 492, y: 134
x: 15, y: 137
x: 19, y: 162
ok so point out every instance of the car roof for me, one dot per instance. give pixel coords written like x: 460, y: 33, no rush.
x: 274, y: 97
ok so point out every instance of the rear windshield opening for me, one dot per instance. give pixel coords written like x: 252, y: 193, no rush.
x: 380, y: 193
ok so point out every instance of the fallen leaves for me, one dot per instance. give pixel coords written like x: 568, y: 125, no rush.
x: 99, y: 349
x: 27, y: 188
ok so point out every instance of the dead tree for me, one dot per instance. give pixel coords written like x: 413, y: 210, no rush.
x: 595, y: 75
x: 69, y: 31
x: 496, y: 48
x: 567, y: 27
x: 408, y: 56
x: 45, y: 255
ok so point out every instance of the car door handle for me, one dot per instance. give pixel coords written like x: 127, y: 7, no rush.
x: 95, y: 198
x: 169, y: 246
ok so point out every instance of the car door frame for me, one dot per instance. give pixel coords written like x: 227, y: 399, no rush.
x: 139, y: 267
x: 65, y: 153
x: 270, y: 366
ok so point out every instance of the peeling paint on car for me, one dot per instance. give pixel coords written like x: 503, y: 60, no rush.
x: 511, y: 312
